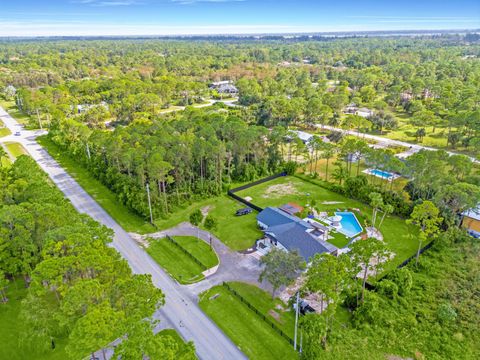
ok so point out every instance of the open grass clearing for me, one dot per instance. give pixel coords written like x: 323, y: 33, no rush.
x: 104, y: 196
x: 400, y: 237
x: 178, y: 264
x: 248, y: 330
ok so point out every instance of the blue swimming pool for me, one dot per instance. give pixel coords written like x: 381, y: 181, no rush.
x: 381, y: 173
x: 350, y: 225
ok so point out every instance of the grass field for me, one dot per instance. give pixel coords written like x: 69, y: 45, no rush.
x: 248, y: 330
x: 178, y: 264
x: 16, y: 149
x: 104, y: 196
x: 292, y: 189
x: 10, y: 331
x: 4, y: 131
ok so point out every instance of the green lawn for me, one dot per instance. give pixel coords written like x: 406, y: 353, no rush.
x: 10, y: 331
x: 178, y: 264
x: 293, y: 189
x: 16, y: 149
x: 104, y: 196
x: 339, y: 240
x: 249, y: 331
x: 4, y: 131
x: 237, y: 232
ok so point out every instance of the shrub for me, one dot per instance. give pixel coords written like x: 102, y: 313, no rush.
x: 196, y: 217
x: 210, y: 223
x: 290, y: 167
x: 388, y: 288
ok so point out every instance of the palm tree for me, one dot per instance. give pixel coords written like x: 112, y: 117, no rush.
x: 387, y: 209
x: 328, y: 153
x: 340, y: 173
x: 376, y: 202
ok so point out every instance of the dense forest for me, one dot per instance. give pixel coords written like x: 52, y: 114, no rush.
x: 79, y: 289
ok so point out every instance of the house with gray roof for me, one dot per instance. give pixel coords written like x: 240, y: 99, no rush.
x: 288, y: 232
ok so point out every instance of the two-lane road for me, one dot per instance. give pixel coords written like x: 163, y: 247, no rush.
x: 181, y: 310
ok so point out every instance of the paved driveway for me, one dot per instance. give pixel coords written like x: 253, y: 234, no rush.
x: 233, y: 266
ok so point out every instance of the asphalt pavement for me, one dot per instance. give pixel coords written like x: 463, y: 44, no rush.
x: 181, y: 311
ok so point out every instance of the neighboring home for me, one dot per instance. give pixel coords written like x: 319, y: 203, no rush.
x: 224, y: 87
x: 82, y: 108
x: 350, y: 109
x: 471, y: 221
x: 288, y: 232
x: 307, y: 138
x: 354, y: 110
x: 304, y: 136
x: 364, y: 112
x: 406, y: 96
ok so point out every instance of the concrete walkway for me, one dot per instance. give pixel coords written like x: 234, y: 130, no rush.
x: 233, y: 266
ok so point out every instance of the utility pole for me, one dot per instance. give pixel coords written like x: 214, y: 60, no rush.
x: 39, y: 121
x: 149, y: 203
x: 296, y: 322
x: 88, y: 152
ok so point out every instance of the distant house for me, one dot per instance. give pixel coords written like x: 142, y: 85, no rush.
x: 350, y: 109
x: 406, y: 96
x: 288, y: 232
x: 82, y: 108
x: 471, y: 221
x: 364, y: 112
x: 304, y: 136
x: 224, y: 87
x: 353, y: 109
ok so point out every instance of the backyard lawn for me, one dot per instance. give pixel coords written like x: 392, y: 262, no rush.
x: 248, y: 330
x: 104, y: 196
x: 178, y: 264
x: 293, y: 189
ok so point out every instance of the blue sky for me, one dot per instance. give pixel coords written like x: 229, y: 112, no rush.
x: 161, y: 17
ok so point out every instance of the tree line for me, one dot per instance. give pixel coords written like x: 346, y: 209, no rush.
x: 79, y: 287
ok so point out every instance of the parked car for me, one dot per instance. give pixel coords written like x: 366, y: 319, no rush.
x: 17, y: 133
x: 243, y: 211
